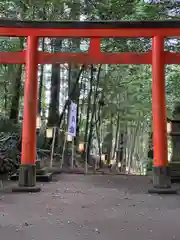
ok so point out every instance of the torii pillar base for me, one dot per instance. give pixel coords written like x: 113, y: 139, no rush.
x: 27, y: 172
x: 162, y: 181
x: 161, y: 170
x: 27, y: 179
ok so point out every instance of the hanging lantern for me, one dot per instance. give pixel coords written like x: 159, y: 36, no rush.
x: 169, y: 127
x: 38, y: 122
x: 81, y: 147
x: 49, y: 132
x: 69, y: 138
x: 103, y: 157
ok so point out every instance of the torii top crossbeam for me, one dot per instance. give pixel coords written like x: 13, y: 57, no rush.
x: 90, y: 28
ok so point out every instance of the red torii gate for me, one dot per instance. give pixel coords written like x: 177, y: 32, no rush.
x: 156, y: 30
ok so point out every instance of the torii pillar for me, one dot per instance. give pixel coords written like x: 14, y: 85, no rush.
x: 161, y: 170
x: 27, y: 174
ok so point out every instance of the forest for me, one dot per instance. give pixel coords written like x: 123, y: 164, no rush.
x: 113, y: 101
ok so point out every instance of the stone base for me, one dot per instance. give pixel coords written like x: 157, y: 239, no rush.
x: 39, y: 174
x: 27, y: 179
x: 27, y: 175
x: 47, y: 177
x: 44, y: 178
x: 162, y: 181
x: 41, y: 171
x: 161, y: 177
x: 162, y: 191
x: 175, y: 179
x: 26, y: 189
x: 55, y: 170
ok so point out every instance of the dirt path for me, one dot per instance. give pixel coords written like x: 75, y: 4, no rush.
x: 78, y: 207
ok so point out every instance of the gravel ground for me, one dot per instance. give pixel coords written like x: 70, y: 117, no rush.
x: 78, y: 207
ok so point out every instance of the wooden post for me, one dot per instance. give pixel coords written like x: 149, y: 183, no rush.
x: 52, y: 147
x: 27, y: 174
x: 72, y: 157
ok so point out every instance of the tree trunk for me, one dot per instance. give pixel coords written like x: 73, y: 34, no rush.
x: 41, y: 83
x: 67, y: 103
x: 81, y: 107
x: 93, y: 113
x: 132, y: 145
x: 74, y: 90
x: 88, y: 111
x: 116, y: 136
x: 14, y: 110
x: 98, y: 133
x: 53, y: 116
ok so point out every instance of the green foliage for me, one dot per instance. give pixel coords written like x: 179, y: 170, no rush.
x: 8, y: 126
